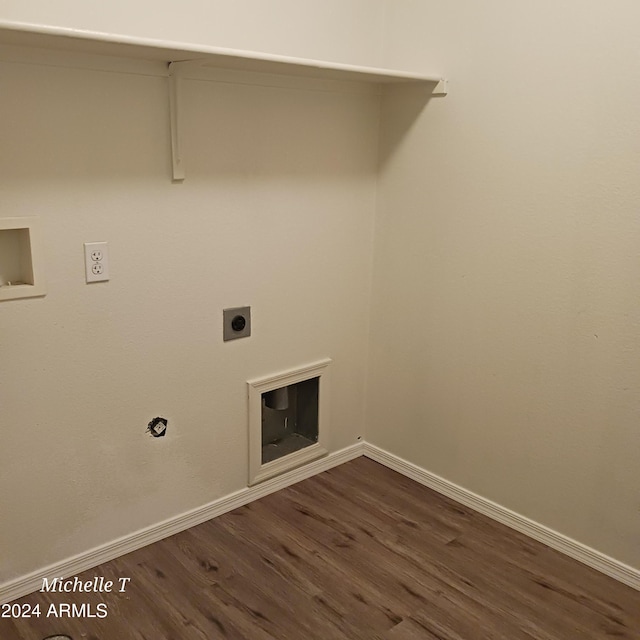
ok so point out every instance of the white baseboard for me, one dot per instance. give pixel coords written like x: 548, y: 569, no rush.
x: 599, y: 561
x: 88, y: 559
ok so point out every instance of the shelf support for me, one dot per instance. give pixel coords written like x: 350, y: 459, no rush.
x: 176, y: 70
x: 442, y: 88
x: 175, y: 119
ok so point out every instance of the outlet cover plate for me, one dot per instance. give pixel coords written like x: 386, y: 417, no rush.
x: 228, y: 317
x: 96, y: 261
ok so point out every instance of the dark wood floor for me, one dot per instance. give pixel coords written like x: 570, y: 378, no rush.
x: 356, y: 552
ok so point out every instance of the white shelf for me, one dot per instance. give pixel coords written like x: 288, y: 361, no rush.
x: 98, y: 43
x: 181, y: 59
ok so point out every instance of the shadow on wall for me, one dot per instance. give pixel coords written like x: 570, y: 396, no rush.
x: 66, y: 125
x: 402, y: 105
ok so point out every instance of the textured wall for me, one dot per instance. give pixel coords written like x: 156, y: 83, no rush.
x: 276, y: 212
x: 508, y: 240
x: 505, y: 317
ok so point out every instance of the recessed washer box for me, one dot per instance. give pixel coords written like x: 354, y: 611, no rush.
x: 21, y: 272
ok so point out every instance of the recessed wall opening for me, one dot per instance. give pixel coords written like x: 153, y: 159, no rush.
x: 20, y: 272
x: 288, y: 420
x: 15, y: 257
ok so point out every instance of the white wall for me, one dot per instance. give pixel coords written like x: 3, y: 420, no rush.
x: 505, y: 332
x: 505, y: 348
x: 276, y: 212
x: 337, y: 30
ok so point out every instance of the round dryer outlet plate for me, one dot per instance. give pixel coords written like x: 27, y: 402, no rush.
x: 236, y: 323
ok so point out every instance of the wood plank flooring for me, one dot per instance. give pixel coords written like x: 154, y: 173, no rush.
x: 356, y: 552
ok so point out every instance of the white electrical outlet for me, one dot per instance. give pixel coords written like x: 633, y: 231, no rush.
x: 96, y: 261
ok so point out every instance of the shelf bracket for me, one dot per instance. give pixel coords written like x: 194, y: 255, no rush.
x: 176, y: 70
x: 442, y: 88
x: 175, y: 119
